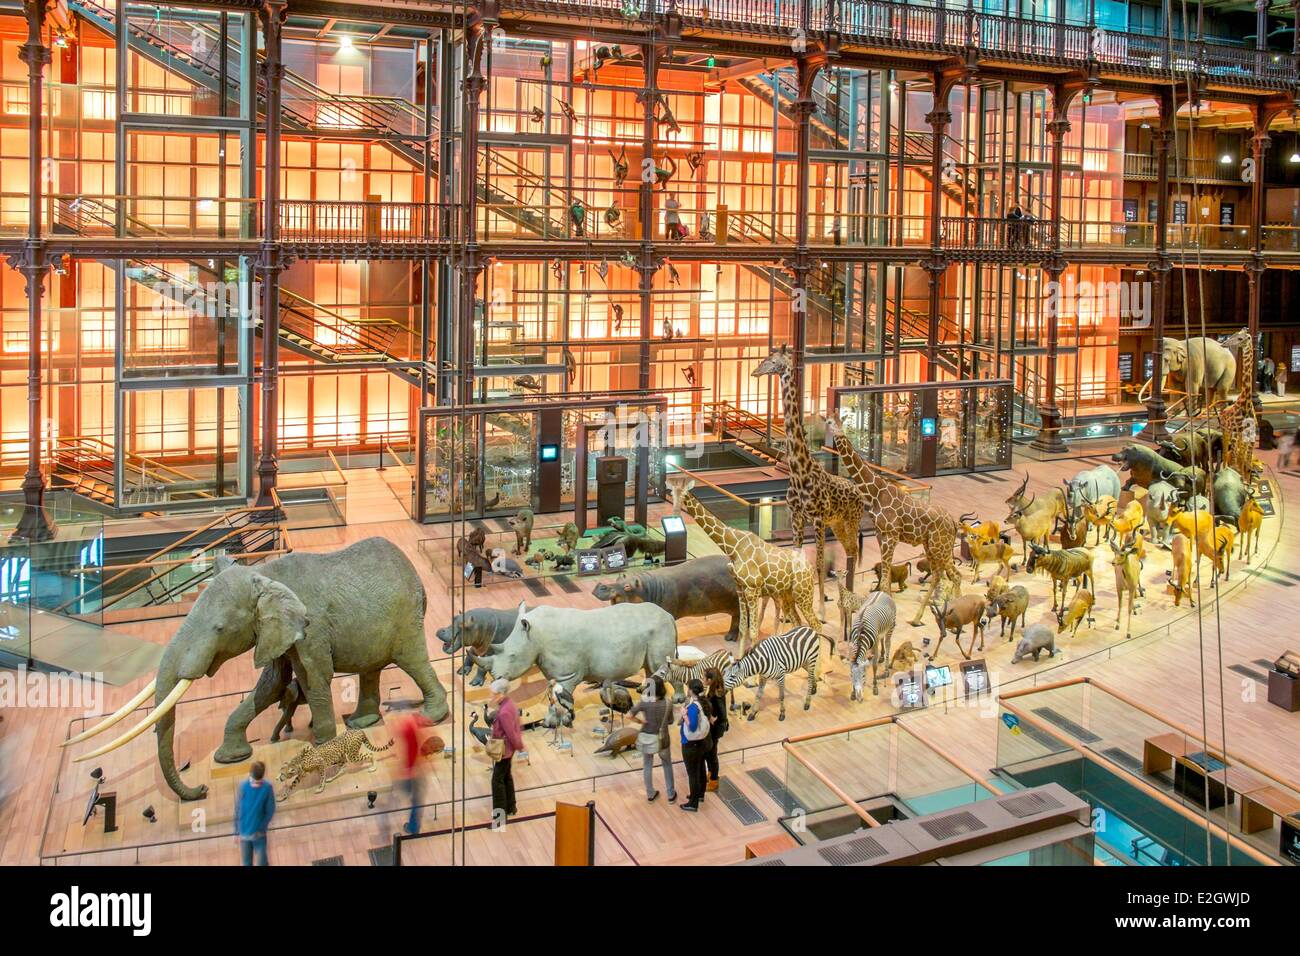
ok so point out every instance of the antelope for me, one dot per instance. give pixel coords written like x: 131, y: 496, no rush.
x: 1248, y: 524
x: 1080, y: 609
x: 1098, y: 513
x: 977, y: 534
x: 1223, y: 540
x: 1129, y: 520
x: 1063, y: 567
x: 1034, y: 519
x: 954, y: 614
x: 1180, y: 577
x: 997, y: 585
x: 1198, y: 526
x: 1072, y: 530
x: 998, y: 550
x: 1128, y: 578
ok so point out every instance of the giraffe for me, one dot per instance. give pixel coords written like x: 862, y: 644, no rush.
x: 814, y: 494
x: 900, y: 517
x: 761, y: 570
x: 1237, y: 449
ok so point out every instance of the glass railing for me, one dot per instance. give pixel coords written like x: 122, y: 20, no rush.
x: 1161, y: 794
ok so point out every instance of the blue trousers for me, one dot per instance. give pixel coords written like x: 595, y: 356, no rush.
x: 249, y: 846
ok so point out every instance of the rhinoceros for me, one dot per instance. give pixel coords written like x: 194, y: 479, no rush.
x: 572, y: 646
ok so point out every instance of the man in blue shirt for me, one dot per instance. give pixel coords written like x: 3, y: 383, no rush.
x: 254, y: 808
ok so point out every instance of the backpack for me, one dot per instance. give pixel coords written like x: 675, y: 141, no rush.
x: 701, y: 731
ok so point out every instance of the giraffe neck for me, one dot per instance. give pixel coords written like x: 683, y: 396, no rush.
x: 724, y: 536
x: 867, y: 480
x: 796, y: 439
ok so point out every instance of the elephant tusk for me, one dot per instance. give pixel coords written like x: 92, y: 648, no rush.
x: 157, y: 714
x: 145, y: 693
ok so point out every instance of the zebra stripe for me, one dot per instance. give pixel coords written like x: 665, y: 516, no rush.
x: 872, y: 623
x: 678, y: 673
x: 778, y: 655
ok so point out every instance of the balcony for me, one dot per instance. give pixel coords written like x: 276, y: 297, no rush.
x: 899, y: 27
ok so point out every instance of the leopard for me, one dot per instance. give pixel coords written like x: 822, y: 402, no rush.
x: 346, y: 748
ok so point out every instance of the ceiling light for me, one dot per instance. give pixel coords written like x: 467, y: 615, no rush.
x: 345, y: 42
x: 1225, y: 159
x: 1295, y: 158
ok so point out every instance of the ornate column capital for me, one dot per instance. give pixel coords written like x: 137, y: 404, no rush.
x: 938, y: 118
x: 1058, y: 128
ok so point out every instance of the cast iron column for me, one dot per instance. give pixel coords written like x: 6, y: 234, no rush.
x: 34, y: 525
x: 1049, y: 432
x: 1155, y: 430
x: 652, y: 57
x: 804, y: 108
x: 1256, y: 266
x: 478, y: 35
x: 939, y: 119
x: 273, y: 13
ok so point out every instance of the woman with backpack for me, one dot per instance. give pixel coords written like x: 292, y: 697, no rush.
x: 696, y: 742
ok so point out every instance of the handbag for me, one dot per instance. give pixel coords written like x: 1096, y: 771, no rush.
x: 701, y: 731
x: 496, y: 748
x: 647, y: 744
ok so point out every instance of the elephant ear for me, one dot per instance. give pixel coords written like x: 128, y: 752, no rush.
x: 280, y: 620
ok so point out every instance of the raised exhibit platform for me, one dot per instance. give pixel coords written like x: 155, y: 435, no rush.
x: 561, y: 762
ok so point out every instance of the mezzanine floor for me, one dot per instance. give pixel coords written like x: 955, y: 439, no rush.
x: 39, y: 821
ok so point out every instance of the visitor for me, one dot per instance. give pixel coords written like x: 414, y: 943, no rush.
x: 254, y: 808
x: 408, y: 736
x: 1015, y: 225
x: 1279, y: 380
x: 673, y: 227
x: 470, y: 549
x: 1286, y: 449
x: 505, y: 727
x: 717, y: 698
x: 696, y: 742
x: 655, y: 712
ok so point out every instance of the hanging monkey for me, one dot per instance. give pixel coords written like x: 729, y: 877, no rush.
x: 618, y: 317
x: 620, y: 166
x: 666, y: 172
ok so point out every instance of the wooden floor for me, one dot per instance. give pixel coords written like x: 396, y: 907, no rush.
x: 40, y: 817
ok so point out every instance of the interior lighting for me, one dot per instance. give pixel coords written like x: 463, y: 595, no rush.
x: 345, y: 42
x: 1295, y: 158
x: 1225, y: 159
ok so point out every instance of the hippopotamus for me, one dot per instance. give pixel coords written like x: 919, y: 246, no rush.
x: 691, y: 589
x: 476, y: 631
x: 570, y: 646
x: 1035, y: 639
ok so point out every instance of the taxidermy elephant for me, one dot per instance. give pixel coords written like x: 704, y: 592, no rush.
x: 572, y: 646
x: 304, y: 616
x: 1199, y: 366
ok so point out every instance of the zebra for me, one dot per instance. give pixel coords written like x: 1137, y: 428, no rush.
x: 870, y: 633
x: 773, y: 658
x: 677, y: 672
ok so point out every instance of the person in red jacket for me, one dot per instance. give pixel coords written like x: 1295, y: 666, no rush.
x: 408, y: 736
x: 505, y: 726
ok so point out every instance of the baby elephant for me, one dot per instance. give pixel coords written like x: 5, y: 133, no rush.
x: 898, y: 574
x: 1037, y: 638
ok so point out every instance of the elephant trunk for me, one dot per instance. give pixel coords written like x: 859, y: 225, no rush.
x: 166, y: 681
